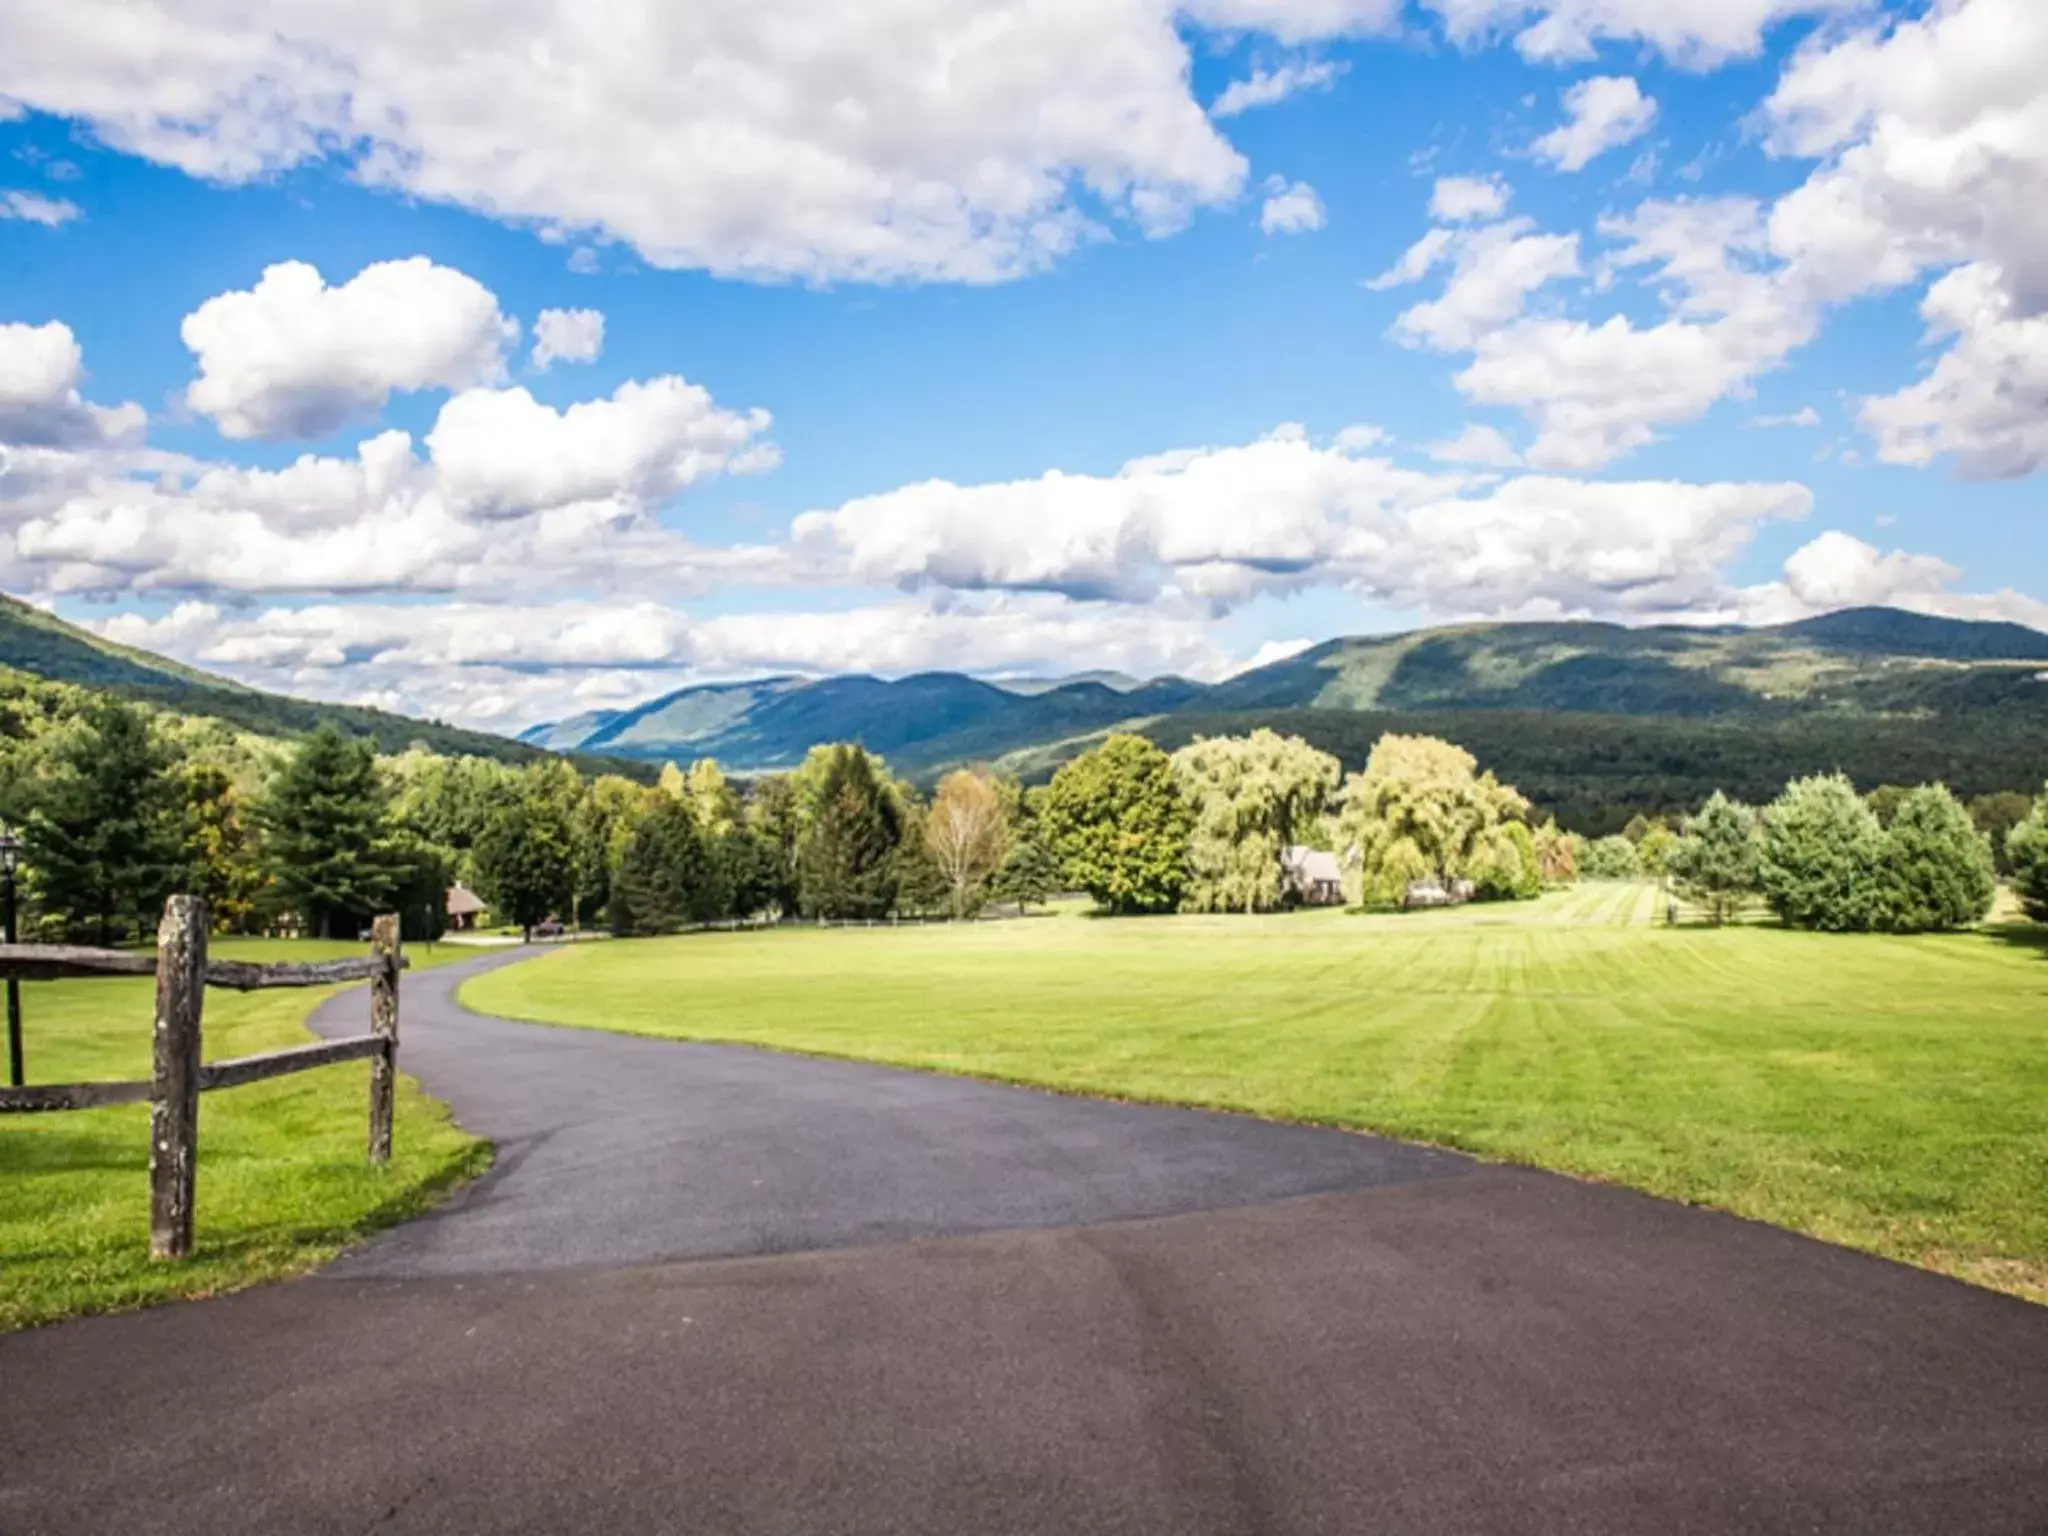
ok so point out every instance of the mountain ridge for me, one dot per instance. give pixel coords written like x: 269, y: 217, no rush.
x: 1852, y: 663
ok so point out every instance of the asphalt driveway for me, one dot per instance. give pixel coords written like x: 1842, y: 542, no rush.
x: 712, y: 1289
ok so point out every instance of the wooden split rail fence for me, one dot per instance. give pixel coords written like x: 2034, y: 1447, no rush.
x: 183, y: 973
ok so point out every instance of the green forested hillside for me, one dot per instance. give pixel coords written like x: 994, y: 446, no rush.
x: 1593, y: 772
x: 1595, y: 721
x: 1860, y: 667
x: 41, y: 646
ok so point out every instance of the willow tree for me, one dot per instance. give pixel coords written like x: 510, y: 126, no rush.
x: 1421, y: 810
x: 1251, y: 796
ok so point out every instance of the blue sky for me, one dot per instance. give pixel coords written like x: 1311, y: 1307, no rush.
x: 996, y: 339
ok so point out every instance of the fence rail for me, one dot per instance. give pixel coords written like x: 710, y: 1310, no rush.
x: 183, y: 973
x: 56, y: 962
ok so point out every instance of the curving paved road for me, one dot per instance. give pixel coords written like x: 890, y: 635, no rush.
x: 1018, y: 1313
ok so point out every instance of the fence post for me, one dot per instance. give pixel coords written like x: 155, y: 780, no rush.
x: 384, y: 1025
x: 174, y: 1095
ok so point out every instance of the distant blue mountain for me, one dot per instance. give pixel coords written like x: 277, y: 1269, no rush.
x: 1863, y: 662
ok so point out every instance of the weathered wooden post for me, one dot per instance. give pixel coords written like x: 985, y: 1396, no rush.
x: 174, y: 1095
x: 384, y: 1025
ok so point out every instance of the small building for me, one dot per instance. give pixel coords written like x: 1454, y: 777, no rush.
x: 466, y: 909
x: 1310, y: 876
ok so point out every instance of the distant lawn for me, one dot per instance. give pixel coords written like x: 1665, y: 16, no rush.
x: 1886, y: 1093
x: 283, y: 1180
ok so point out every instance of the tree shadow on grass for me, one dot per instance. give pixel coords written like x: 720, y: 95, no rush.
x: 2020, y: 935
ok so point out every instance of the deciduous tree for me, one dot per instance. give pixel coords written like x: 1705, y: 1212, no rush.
x: 525, y: 857
x: 967, y: 832
x: 1419, y: 810
x: 1249, y: 797
x: 1117, y: 822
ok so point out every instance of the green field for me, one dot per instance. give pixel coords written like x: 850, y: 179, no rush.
x: 1886, y: 1093
x: 283, y: 1180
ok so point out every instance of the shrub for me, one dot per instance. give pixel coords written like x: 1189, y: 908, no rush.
x: 1610, y: 858
x: 1823, y: 857
x: 1715, y: 863
x: 1937, y: 865
x: 2026, y: 851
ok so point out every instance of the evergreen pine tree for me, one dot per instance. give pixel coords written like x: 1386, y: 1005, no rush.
x: 845, y: 861
x: 662, y: 872
x: 1937, y: 866
x: 103, y: 832
x: 1715, y: 863
x: 325, y: 830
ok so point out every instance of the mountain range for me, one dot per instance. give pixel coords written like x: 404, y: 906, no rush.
x: 1593, y: 721
x: 1857, y: 664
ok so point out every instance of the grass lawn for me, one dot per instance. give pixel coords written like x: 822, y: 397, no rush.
x: 283, y: 1180
x: 1886, y: 1093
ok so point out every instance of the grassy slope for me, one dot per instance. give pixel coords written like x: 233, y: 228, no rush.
x: 283, y: 1181
x: 1890, y: 1094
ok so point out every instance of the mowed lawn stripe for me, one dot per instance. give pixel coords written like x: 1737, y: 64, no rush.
x: 1887, y: 1093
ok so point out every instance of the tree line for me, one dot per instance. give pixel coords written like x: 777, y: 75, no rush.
x: 119, y: 806
x: 1824, y: 857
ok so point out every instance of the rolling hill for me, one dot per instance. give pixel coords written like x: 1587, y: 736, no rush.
x: 44, y: 646
x: 1593, y: 721
x: 1829, y: 673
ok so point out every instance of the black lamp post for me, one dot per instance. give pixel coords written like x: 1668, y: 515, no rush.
x: 10, y: 850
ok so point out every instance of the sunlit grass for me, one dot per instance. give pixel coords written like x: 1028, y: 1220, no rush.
x: 284, y: 1182
x: 1886, y: 1093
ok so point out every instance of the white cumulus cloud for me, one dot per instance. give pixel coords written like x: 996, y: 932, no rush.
x: 293, y: 357
x: 1693, y: 33
x: 40, y: 406
x: 567, y: 336
x: 1602, y: 113
x: 1291, y: 208
x: 928, y: 139
x: 1457, y: 199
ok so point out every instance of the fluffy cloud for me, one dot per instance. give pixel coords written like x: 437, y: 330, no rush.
x: 510, y: 495
x: 293, y: 357
x: 1602, y: 113
x: 1494, y: 270
x: 1695, y: 33
x: 926, y: 140
x: 40, y: 407
x: 505, y: 666
x: 1598, y: 390
x: 34, y: 208
x: 567, y: 336
x: 1477, y: 444
x: 1985, y: 402
x: 1935, y: 138
x: 1218, y: 526
x: 500, y: 453
x: 1457, y: 199
x: 1836, y: 570
x: 1265, y: 87
x: 1291, y: 208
